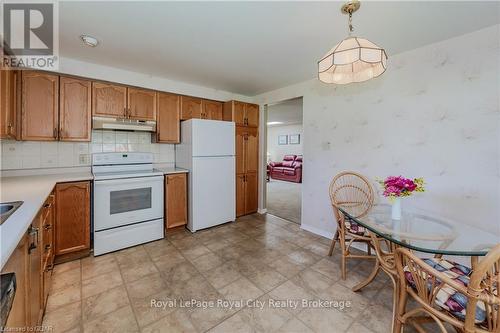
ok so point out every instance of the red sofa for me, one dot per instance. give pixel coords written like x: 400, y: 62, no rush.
x: 290, y: 169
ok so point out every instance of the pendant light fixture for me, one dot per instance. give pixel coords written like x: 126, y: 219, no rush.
x: 354, y: 59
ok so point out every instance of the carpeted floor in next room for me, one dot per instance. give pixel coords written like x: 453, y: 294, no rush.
x: 284, y: 199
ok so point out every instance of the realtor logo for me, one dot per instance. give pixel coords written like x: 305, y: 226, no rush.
x: 30, y: 35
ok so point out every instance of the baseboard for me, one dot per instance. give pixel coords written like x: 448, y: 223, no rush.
x: 262, y: 211
x: 317, y: 231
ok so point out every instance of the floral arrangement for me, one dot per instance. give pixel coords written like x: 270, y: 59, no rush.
x: 398, y: 186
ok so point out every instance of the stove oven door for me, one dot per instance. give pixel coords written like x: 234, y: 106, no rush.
x: 120, y: 202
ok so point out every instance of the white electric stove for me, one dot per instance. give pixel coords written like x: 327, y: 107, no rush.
x: 128, y: 201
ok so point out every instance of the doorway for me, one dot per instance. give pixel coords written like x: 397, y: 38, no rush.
x: 284, y: 159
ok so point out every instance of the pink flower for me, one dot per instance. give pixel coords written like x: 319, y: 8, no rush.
x: 399, y: 186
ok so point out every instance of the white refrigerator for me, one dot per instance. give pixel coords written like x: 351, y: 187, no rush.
x: 207, y: 151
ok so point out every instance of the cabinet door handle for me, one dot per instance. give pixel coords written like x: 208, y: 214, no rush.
x: 55, y: 133
x: 48, y: 205
x: 47, y: 247
x: 49, y: 267
x: 47, y: 226
x: 33, y: 231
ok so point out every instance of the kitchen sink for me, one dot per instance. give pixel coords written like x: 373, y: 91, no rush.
x: 7, y: 208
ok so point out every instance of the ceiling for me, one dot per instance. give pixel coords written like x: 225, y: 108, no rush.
x: 288, y: 112
x: 251, y: 47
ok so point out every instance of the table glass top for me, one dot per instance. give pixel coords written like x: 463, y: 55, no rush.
x: 426, y: 232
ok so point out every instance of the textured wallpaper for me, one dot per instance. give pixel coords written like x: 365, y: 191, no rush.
x: 433, y: 114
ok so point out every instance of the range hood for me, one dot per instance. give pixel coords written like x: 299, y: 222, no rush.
x: 123, y: 124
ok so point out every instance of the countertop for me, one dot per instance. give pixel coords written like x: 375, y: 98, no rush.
x: 33, y: 190
x: 171, y: 170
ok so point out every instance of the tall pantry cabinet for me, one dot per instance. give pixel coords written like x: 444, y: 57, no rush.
x: 246, y: 117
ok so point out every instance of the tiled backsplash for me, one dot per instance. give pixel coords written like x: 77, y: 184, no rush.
x: 33, y: 155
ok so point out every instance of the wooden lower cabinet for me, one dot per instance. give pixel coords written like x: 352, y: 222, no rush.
x: 33, y: 258
x: 240, y: 195
x: 246, y: 193
x: 32, y: 264
x: 175, y: 200
x: 72, y: 226
x: 18, y: 264
x: 47, y: 241
x: 251, y: 193
x: 35, y: 290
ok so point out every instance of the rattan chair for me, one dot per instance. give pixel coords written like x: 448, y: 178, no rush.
x: 449, y: 292
x: 355, y: 195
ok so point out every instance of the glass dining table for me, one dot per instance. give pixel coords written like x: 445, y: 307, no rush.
x: 426, y: 232
x: 419, y: 231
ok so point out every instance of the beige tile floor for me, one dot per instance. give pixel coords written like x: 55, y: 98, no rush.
x: 258, y: 257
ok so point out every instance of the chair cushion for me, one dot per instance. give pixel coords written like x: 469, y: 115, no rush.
x: 297, y: 164
x: 448, y: 298
x: 354, y: 228
x: 289, y: 157
x: 289, y: 172
x: 298, y: 158
x: 288, y: 164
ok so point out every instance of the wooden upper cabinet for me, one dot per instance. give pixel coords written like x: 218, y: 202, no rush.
x: 190, y: 107
x: 141, y: 104
x: 234, y: 111
x: 176, y: 200
x: 75, y: 123
x: 9, y: 93
x: 243, y: 114
x: 252, y: 151
x: 40, y: 109
x: 212, y: 110
x: 168, y: 118
x: 72, y: 217
x: 109, y: 100
x: 252, y: 115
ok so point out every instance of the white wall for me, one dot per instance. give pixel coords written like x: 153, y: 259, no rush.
x: 434, y: 114
x: 278, y: 151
